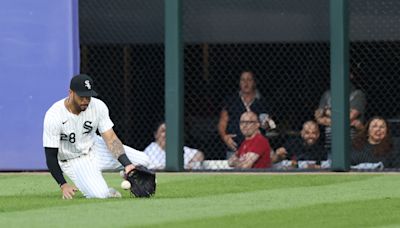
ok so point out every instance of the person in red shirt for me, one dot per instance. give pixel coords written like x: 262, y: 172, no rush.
x: 255, y: 151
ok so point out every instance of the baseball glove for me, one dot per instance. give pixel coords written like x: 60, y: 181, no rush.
x: 143, y: 181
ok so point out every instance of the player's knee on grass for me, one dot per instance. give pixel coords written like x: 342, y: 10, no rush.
x: 97, y: 193
x: 98, y: 196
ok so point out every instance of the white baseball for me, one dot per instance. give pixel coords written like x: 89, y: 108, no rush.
x: 125, y: 185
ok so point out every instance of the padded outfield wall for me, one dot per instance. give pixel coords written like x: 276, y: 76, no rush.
x: 39, y: 52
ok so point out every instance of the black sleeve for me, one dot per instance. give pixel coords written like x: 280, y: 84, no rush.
x: 356, y: 157
x: 290, y: 145
x: 124, y: 160
x: 53, y: 166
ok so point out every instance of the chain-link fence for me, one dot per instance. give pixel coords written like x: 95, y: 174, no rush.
x: 122, y: 49
x: 285, y: 43
x: 375, y: 49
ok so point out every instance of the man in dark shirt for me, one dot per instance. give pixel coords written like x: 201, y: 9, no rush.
x: 306, y: 147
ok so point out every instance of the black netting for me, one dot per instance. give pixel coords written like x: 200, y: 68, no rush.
x: 374, y: 50
x: 284, y: 42
x: 122, y: 49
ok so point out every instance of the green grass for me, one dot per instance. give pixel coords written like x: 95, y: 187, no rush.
x: 211, y: 200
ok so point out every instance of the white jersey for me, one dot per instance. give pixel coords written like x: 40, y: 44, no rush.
x: 74, y: 135
x: 157, y: 156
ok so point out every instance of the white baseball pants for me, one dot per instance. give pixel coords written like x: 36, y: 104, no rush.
x: 86, y: 170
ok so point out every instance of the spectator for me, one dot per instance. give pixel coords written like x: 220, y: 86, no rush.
x: 156, y: 152
x: 255, y: 151
x: 248, y: 99
x: 373, y: 146
x: 307, y: 147
x: 357, y: 108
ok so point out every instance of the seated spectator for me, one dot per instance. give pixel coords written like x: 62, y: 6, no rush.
x: 357, y: 109
x: 248, y: 99
x: 156, y: 152
x: 255, y: 151
x: 373, y: 146
x: 306, y: 147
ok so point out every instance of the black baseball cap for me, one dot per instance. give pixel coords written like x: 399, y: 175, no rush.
x: 82, y: 85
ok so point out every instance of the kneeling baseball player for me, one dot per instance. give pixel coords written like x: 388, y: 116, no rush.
x: 72, y: 146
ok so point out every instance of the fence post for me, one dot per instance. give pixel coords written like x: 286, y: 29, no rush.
x: 174, y: 85
x: 340, y: 84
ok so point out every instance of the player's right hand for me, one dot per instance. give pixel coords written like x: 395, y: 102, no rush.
x: 230, y: 142
x: 129, y: 168
x: 68, y: 191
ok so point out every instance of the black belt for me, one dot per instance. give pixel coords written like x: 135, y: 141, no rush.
x: 65, y: 160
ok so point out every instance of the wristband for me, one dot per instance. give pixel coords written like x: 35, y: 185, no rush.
x: 124, y: 160
x: 60, y: 184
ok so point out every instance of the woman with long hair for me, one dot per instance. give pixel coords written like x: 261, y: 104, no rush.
x: 373, y: 144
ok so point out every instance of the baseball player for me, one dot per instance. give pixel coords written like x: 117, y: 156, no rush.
x: 73, y: 147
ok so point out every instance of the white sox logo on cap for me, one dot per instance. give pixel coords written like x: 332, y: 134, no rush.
x: 82, y: 85
x: 87, y: 84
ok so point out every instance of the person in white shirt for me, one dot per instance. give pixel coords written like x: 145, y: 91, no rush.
x: 156, y: 152
x: 72, y: 146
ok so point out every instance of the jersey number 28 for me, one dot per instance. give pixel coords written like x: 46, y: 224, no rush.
x: 70, y: 137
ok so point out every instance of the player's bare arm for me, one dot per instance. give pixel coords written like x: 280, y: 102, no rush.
x: 113, y: 143
x: 116, y: 147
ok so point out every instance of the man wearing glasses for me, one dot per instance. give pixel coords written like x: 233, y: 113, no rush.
x: 248, y: 99
x: 255, y: 151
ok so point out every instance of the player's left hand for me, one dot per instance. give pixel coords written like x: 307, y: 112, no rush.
x: 68, y: 191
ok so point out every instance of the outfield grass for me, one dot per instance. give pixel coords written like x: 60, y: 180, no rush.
x: 211, y: 200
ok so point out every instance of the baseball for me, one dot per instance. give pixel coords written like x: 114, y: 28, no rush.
x: 125, y: 185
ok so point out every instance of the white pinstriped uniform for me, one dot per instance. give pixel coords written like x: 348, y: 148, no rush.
x: 82, y: 154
